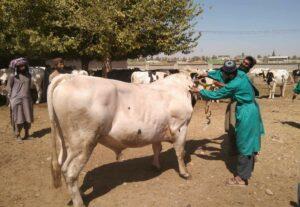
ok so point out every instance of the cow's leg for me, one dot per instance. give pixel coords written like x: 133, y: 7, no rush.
x: 156, y: 151
x: 270, y: 92
x: 274, y: 90
x: 119, y: 155
x: 71, y: 168
x: 283, y: 89
x: 179, y: 143
x: 39, y: 92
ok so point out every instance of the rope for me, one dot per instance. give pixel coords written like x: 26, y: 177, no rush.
x: 208, y: 112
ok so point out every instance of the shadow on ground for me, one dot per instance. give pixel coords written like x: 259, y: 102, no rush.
x: 267, y: 96
x: 291, y: 123
x: 293, y: 204
x: 107, y: 177
x: 41, y: 133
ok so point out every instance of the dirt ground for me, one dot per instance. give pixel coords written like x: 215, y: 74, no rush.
x: 25, y: 178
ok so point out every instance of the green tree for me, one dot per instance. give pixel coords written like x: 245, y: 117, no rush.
x: 35, y: 29
x: 106, y: 30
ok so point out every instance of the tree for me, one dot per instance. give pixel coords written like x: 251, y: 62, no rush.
x: 107, y: 30
x: 259, y: 56
x: 35, y: 29
x: 129, y: 28
x: 273, y: 53
x: 196, y: 58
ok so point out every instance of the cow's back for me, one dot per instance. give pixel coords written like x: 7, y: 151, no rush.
x: 84, y: 103
x: 132, y: 115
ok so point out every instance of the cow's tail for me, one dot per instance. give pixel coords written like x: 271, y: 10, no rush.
x: 55, y: 167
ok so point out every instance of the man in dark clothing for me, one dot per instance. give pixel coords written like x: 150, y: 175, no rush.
x: 57, y: 68
x: 18, y: 88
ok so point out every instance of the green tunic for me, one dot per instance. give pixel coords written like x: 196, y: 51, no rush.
x: 249, y: 126
x: 297, y: 88
x: 216, y: 74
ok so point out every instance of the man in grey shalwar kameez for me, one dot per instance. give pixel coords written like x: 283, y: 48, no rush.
x: 18, y: 88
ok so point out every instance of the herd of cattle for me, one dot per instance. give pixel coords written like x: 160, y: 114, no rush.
x: 271, y: 77
x: 122, y: 115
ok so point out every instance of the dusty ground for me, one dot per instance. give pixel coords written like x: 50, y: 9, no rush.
x: 25, y: 174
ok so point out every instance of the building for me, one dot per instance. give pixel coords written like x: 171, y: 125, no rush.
x: 278, y: 59
x: 223, y: 57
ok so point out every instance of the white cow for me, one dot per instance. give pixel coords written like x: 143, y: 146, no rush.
x: 258, y: 71
x: 4, y: 74
x: 144, y: 77
x: 274, y: 78
x: 79, y: 72
x: 117, y: 115
x: 37, y: 77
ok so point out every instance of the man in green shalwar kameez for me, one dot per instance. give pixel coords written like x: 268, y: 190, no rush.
x: 216, y: 74
x: 249, y: 126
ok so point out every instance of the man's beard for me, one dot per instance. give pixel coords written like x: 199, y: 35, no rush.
x: 244, y: 68
x: 22, y: 71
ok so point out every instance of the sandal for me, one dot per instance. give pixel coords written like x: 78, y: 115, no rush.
x: 234, y: 182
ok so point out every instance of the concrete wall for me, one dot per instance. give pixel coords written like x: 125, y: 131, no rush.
x: 289, y: 67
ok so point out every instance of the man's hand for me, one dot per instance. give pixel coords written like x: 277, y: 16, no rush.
x: 194, y: 90
x: 219, y: 84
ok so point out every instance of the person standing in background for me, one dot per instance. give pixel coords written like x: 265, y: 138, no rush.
x: 20, y: 100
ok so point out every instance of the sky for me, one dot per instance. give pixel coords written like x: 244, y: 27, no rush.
x: 232, y: 17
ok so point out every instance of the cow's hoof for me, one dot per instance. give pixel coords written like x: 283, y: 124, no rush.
x: 37, y: 102
x: 185, y: 176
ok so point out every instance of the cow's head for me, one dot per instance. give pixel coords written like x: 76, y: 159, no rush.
x: 296, y: 75
x: 269, y: 77
x: 296, y: 72
x: 194, y: 76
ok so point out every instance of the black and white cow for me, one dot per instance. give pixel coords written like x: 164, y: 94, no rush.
x: 144, y: 77
x: 296, y: 75
x: 276, y: 77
